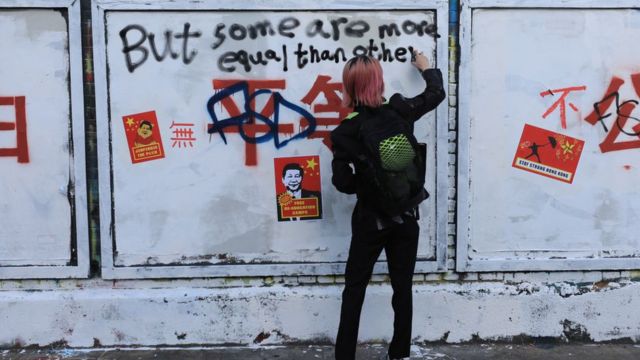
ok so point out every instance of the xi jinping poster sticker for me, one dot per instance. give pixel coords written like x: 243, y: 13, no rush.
x: 143, y: 136
x: 548, y: 153
x: 298, y: 187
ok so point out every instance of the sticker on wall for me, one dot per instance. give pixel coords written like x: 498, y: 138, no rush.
x: 298, y: 195
x: 143, y: 136
x: 548, y: 153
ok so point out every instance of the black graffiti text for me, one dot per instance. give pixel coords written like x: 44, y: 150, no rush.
x: 332, y: 29
x: 227, y: 62
x: 264, y: 28
x: 408, y: 28
x: 134, y: 38
x: 623, y: 110
x: 312, y: 55
x: 356, y: 28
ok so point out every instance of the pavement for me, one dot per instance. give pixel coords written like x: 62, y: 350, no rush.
x: 543, y: 351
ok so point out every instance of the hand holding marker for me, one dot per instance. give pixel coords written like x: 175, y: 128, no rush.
x: 419, y: 60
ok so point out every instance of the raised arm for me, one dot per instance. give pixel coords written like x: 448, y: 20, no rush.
x: 414, y: 108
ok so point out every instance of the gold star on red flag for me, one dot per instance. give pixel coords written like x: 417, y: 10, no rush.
x: 567, y: 148
x: 311, y: 164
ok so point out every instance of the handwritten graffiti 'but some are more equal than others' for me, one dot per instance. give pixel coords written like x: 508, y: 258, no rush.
x: 138, y: 42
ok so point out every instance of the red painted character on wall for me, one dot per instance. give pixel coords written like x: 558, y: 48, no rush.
x: 332, y: 92
x: 19, y: 126
x: 614, y: 141
x: 182, y: 134
x: 561, y: 102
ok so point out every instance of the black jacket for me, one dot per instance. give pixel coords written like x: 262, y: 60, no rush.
x: 347, y: 146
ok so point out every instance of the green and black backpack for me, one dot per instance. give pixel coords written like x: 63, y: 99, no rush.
x: 393, y: 162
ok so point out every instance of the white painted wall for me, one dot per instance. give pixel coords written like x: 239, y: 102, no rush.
x: 34, y: 208
x: 510, y: 215
x: 204, y: 204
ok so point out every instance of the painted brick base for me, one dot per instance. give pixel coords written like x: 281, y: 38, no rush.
x: 452, y: 312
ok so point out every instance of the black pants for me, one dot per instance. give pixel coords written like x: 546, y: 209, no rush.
x: 400, y: 243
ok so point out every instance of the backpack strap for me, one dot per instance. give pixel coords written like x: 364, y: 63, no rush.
x: 351, y: 115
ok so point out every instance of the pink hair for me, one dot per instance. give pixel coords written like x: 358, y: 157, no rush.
x: 362, y: 82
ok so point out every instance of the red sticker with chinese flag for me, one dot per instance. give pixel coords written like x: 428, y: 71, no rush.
x: 143, y: 136
x: 298, y: 194
x: 548, y: 153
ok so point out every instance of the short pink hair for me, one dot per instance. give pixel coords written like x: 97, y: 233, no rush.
x: 362, y: 82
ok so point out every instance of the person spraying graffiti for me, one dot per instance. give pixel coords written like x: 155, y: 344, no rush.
x: 376, y: 157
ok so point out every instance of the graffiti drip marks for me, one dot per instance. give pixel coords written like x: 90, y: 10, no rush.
x: 249, y: 122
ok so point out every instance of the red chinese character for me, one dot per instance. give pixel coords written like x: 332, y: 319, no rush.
x: 330, y: 91
x: 623, y: 112
x: 561, y: 102
x: 19, y: 125
x: 182, y: 134
x: 251, y: 129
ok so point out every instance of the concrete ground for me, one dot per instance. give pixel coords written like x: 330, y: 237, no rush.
x: 546, y: 351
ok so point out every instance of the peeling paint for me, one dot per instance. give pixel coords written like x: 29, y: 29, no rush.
x: 575, y: 332
x: 453, y: 312
x: 261, y: 337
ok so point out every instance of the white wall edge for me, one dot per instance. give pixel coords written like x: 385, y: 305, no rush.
x: 463, y: 181
x: 269, y: 5
x: 540, y: 4
x: 40, y: 3
x: 552, y: 264
x: 442, y: 138
x: 79, y: 141
x: 103, y: 141
x: 247, y: 270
